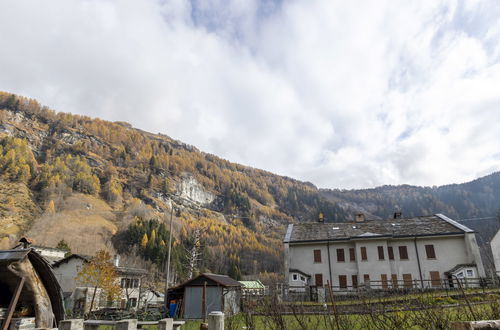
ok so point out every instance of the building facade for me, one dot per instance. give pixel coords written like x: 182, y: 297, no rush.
x: 495, y: 249
x: 431, y: 251
x: 78, y: 296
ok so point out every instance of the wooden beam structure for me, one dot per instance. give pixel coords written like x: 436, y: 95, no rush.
x: 13, y: 304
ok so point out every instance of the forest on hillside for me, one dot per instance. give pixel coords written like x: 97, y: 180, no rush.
x: 132, y: 180
x: 476, y: 199
x: 56, y: 155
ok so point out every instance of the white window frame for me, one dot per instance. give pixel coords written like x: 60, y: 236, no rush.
x: 295, y: 277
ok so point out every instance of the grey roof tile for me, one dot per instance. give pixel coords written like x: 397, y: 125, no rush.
x: 416, y: 226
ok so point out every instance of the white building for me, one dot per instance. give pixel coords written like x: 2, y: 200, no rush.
x: 129, y: 279
x: 495, y: 249
x: 429, y: 251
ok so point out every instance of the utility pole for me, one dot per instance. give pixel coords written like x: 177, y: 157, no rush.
x: 168, y: 259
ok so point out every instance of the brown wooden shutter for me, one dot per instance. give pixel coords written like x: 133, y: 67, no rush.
x: 340, y: 255
x: 343, y: 281
x: 403, y: 253
x: 317, y: 256
x: 354, y: 279
x: 435, y: 279
x: 352, y: 254
x: 318, y: 279
x: 429, y: 250
x: 407, y: 281
x: 383, y: 277
x: 363, y: 253
x: 390, y: 252
x: 380, y: 252
x: 394, y: 278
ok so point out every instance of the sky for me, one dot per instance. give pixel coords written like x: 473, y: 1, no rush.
x: 344, y: 94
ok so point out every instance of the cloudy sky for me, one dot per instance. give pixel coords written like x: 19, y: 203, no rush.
x: 345, y: 94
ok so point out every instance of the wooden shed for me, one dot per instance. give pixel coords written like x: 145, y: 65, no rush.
x: 29, y: 289
x: 206, y: 293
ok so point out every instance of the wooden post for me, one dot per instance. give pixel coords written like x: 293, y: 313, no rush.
x: 204, y: 302
x: 13, y: 303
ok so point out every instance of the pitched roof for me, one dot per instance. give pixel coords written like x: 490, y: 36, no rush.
x: 252, y: 284
x: 222, y: 280
x: 68, y: 258
x: 417, y: 226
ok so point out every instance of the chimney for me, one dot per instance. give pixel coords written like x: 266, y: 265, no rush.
x: 321, y: 217
x: 360, y: 217
x: 26, y: 242
x: 398, y: 215
x: 116, y: 260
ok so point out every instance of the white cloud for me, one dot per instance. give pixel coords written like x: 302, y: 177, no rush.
x: 343, y: 94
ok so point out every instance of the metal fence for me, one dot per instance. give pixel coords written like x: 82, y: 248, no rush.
x: 378, y: 288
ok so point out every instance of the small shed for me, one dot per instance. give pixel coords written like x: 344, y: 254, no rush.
x: 253, y: 288
x: 204, y: 294
x: 29, y: 289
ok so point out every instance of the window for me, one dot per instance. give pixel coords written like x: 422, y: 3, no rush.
x: 132, y: 302
x: 343, y: 281
x: 295, y: 277
x: 135, y: 283
x: 429, y: 250
x: 394, y: 279
x: 407, y: 281
x: 390, y: 252
x: 352, y: 254
x: 317, y: 256
x: 383, y: 277
x: 380, y: 252
x: 340, y: 255
x: 403, y: 253
x: 318, y: 279
x: 364, y: 256
x: 366, y: 279
x: 354, y: 279
x: 435, y: 279
x: 470, y: 273
x: 302, y: 278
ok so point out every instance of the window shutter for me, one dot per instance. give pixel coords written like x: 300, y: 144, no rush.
x: 390, y: 252
x: 340, y: 255
x: 429, y: 250
x: 352, y: 254
x: 317, y: 256
x: 363, y: 253
x: 403, y: 253
x: 380, y: 252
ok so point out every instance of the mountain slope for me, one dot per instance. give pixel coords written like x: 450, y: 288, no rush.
x: 108, y: 185
x: 476, y: 199
x: 240, y: 211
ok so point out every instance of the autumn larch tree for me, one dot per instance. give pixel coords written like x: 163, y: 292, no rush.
x: 99, y: 272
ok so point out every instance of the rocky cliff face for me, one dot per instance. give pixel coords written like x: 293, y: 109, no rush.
x: 188, y: 188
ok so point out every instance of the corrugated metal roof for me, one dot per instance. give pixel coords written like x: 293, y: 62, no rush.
x: 252, y: 284
x: 417, y: 226
x: 13, y: 255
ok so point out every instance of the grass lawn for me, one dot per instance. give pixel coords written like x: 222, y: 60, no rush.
x: 425, y: 319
